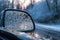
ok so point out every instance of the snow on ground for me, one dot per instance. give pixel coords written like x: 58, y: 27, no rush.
x: 51, y: 27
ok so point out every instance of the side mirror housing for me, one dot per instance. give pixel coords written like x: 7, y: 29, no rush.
x: 18, y: 20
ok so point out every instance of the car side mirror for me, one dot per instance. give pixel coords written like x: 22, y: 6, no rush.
x: 18, y: 20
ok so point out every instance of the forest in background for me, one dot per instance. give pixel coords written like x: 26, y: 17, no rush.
x: 45, y: 11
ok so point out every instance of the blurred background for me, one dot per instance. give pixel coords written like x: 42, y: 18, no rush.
x: 42, y: 11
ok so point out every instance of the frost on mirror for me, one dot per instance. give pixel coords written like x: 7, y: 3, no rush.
x: 18, y: 21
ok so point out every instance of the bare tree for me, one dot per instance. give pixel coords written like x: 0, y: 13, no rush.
x: 12, y: 3
x: 32, y: 2
x: 48, y: 4
x: 55, y: 5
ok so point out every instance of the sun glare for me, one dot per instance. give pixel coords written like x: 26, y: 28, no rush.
x: 10, y: 1
x: 38, y: 1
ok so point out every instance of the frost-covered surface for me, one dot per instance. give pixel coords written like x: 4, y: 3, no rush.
x: 17, y: 21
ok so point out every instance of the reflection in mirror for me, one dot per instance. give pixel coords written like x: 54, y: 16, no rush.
x: 18, y: 21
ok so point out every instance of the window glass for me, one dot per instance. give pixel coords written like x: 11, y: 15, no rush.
x: 42, y: 11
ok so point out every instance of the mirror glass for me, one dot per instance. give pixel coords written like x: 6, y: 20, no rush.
x: 18, y: 21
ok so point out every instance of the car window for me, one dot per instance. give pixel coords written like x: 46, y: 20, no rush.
x: 42, y: 11
x: 45, y: 14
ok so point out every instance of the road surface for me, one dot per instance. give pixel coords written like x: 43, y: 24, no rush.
x: 50, y: 30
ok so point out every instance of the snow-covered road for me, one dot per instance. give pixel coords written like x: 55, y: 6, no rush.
x: 48, y: 27
x: 50, y: 30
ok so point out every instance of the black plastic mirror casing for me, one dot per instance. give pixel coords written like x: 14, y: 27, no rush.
x: 1, y: 18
